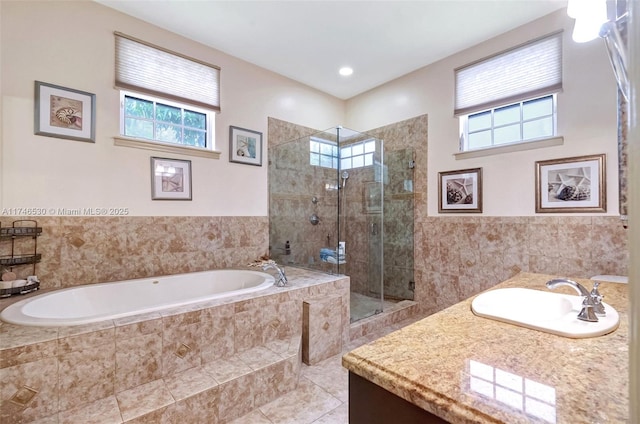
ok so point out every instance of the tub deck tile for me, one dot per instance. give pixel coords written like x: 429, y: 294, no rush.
x: 27, y: 353
x: 144, y: 399
x: 88, y: 340
x: 13, y: 336
x: 138, y: 325
x: 224, y: 370
x: 285, y: 347
x: 84, y: 329
x: 189, y: 383
x: 259, y: 357
x: 103, y: 411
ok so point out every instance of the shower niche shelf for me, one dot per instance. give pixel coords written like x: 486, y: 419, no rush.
x: 10, y: 258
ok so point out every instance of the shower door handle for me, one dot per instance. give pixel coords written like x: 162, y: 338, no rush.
x: 374, y: 228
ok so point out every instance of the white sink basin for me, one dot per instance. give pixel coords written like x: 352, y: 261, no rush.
x: 550, y: 312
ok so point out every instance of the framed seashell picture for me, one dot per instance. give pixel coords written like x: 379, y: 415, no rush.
x: 64, y: 112
x: 245, y: 146
x: 460, y: 191
x: 574, y: 184
x: 170, y: 179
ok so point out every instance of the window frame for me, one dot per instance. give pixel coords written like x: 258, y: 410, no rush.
x: 131, y: 141
x: 464, y: 124
x: 335, y: 159
x: 363, y: 155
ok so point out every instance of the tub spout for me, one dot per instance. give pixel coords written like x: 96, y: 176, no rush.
x: 281, y: 281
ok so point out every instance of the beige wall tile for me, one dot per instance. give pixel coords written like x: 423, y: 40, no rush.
x: 86, y: 375
x: 41, y: 376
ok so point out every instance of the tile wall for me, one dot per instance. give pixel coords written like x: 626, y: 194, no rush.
x: 85, y: 250
x: 461, y: 256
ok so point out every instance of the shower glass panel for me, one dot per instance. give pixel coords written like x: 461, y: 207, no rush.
x: 326, y: 210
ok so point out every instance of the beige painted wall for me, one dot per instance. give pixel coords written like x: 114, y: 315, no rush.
x: 586, y: 111
x: 72, y: 44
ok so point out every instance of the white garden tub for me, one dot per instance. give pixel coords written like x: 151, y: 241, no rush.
x: 107, y: 301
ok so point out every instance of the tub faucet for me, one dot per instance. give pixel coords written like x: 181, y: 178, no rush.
x: 592, y: 302
x: 281, y: 281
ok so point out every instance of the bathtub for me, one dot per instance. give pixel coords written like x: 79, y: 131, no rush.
x: 106, y: 301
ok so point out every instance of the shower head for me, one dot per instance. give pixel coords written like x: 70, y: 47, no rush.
x: 345, y: 175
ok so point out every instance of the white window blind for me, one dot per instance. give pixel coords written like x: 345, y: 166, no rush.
x: 531, y: 70
x: 158, y: 72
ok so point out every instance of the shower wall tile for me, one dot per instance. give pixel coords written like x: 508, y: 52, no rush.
x: 87, y: 250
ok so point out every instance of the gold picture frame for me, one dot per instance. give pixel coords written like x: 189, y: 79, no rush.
x: 571, y: 185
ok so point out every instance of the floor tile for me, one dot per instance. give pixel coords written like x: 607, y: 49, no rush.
x: 330, y: 376
x: 302, y: 406
x: 255, y: 417
x: 340, y: 415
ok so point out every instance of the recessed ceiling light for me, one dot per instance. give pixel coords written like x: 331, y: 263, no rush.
x: 345, y: 71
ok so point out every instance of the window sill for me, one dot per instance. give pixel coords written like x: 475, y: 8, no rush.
x: 168, y: 148
x: 518, y: 147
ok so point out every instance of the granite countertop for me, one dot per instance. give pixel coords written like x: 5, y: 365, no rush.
x: 468, y: 369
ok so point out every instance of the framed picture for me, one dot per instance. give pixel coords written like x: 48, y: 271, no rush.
x: 571, y: 185
x: 170, y: 179
x: 245, y: 146
x: 460, y: 191
x: 64, y: 113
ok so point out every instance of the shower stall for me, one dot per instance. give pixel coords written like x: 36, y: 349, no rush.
x: 330, y: 196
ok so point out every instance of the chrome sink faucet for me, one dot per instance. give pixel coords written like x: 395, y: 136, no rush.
x: 592, y: 302
x: 281, y: 281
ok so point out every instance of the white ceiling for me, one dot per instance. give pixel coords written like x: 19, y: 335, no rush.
x: 308, y: 41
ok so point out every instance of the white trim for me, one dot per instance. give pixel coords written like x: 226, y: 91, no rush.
x: 508, y: 148
x: 164, y: 147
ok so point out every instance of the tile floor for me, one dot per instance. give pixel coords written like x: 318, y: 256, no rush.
x: 322, y: 395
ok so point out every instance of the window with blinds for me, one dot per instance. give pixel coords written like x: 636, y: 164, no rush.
x: 165, y: 97
x: 510, y: 97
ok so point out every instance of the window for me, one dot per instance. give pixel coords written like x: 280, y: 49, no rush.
x: 164, y: 121
x: 323, y: 153
x: 522, y: 121
x: 510, y: 97
x: 357, y: 155
x: 165, y: 97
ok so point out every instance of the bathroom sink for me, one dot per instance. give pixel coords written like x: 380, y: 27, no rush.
x: 550, y: 312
